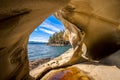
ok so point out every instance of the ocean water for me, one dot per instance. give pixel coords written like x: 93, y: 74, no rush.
x: 39, y: 51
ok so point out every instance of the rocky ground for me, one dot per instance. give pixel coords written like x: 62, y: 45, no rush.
x: 34, y: 63
x: 107, y: 69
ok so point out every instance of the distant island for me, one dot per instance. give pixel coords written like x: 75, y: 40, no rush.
x: 57, y: 39
x: 35, y: 42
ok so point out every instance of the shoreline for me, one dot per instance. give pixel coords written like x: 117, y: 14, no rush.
x: 35, y: 63
x: 58, y: 45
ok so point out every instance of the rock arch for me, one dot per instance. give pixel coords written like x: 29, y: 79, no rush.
x: 19, y: 18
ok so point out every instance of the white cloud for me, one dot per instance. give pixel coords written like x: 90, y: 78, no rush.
x: 51, y: 26
x: 38, y: 39
x: 47, y: 31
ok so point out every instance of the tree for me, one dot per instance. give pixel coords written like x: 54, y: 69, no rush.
x: 57, y: 38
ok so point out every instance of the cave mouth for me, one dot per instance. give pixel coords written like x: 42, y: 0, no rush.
x: 46, y: 41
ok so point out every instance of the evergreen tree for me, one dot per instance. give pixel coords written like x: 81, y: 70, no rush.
x: 57, y: 38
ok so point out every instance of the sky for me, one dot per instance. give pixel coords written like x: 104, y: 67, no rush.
x: 46, y: 29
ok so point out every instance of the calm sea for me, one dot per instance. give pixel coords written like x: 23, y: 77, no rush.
x: 39, y: 51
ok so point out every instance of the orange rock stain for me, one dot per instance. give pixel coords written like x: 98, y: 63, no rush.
x: 70, y: 73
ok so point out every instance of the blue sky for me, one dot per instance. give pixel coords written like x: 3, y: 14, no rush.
x: 46, y: 29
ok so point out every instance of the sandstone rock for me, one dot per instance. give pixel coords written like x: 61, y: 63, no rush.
x: 98, y: 19
x: 35, y: 63
x: 90, y: 71
x: 70, y: 73
x: 18, y: 18
x: 102, y: 37
x: 70, y: 57
x: 99, y: 71
x: 99, y: 23
x: 96, y: 71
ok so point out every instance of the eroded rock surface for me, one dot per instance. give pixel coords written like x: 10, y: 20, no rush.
x: 99, y: 23
x: 97, y: 71
x: 99, y: 20
x: 100, y: 27
x: 34, y: 63
x: 70, y: 73
x: 64, y: 60
x: 100, y: 71
x: 18, y: 18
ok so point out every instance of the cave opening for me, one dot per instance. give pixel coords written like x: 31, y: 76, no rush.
x: 46, y: 42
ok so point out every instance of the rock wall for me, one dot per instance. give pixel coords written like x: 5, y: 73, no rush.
x: 98, y: 19
x: 89, y: 25
x: 18, y: 18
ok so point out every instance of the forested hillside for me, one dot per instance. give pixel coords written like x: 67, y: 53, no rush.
x: 57, y: 39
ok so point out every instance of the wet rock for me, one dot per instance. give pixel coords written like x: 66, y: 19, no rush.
x: 70, y: 73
